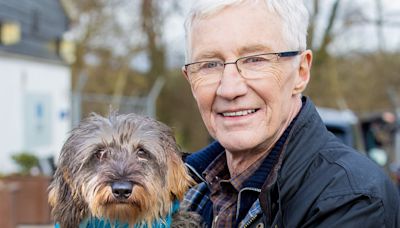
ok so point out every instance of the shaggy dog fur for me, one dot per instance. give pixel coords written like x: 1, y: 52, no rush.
x: 124, y: 167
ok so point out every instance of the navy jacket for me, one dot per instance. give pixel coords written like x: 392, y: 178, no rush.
x: 317, y: 181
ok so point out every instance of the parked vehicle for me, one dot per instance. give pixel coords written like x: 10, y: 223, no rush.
x: 345, y: 125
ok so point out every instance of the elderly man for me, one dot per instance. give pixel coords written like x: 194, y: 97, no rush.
x: 273, y: 164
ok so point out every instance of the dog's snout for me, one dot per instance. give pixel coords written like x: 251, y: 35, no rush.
x: 122, y: 189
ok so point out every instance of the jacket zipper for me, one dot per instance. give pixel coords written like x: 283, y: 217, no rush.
x: 214, y: 224
x: 240, y: 196
x: 250, y: 221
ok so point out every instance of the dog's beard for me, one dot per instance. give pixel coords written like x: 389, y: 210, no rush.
x: 146, y: 203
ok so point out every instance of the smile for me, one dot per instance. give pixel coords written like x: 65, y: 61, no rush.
x: 239, y: 113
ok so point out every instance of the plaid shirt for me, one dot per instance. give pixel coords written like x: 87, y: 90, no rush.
x: 225, y: 190
x: 197, y: 199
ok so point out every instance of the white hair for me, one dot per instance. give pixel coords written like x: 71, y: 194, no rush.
x: 293, y: 13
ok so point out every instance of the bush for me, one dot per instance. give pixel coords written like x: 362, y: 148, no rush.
x: 26, y: 161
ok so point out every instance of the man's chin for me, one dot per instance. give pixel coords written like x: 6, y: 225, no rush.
x: 238, y: 144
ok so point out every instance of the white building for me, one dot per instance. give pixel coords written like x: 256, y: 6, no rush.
x: 34, y: 80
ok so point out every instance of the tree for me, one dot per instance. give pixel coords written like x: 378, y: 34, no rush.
x: 331, y: 85
x: 107, y: 46
x: 324, y: 88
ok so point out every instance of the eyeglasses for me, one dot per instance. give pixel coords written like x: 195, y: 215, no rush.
x: 250, y: 67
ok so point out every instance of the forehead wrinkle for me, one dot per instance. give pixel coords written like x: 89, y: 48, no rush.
x: 242, y: 51
x: 254, y: 48
x: 207, y: 55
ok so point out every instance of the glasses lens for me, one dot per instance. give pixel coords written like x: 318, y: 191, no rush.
x: 257, y: 66
x: 207, y: 72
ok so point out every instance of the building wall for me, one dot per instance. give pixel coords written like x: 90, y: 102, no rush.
x: 34, y: 108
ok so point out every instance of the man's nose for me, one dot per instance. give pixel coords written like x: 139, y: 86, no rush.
x: 232, y: 83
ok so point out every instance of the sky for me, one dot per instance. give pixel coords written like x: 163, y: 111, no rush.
x: 365, y: 37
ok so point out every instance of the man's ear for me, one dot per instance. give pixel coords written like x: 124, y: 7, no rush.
x: 304, y: 70
x: 184, y: 72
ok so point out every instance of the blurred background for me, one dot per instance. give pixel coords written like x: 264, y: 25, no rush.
x: 63, y: 59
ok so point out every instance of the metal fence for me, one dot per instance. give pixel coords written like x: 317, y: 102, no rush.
x: 145, y: 105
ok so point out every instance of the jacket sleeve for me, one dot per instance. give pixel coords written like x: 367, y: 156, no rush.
x: 350, y: 211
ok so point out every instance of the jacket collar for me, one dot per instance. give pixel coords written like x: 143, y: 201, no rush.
x: 199, y: 160
x: 307, y: 137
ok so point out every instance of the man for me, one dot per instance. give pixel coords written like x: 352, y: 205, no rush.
x: 273, y: 164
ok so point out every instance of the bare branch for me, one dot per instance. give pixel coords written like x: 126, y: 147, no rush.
x: 311, y: 29
x: 327, y: 37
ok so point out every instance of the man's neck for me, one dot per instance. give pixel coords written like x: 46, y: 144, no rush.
x: 239, y: 164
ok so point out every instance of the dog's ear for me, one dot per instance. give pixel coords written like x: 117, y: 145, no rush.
x: 179, y: 179
x: 66, y: 209
x: 53, y: 193
x: 58, y: 192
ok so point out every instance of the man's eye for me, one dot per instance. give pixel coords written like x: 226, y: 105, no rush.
x: 255, y: 60
x: 209, y: 65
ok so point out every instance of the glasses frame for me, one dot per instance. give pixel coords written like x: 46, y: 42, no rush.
x: 277, y: 54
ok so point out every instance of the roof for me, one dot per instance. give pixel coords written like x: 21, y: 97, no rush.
x: 42, y: 24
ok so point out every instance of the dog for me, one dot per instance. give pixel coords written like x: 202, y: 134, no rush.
x: 125, y: 169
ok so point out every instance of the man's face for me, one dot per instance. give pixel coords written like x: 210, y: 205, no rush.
x: 244, y: 114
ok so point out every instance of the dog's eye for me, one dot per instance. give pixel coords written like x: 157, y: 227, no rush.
x: 142, y: 153
x: 101, y: 154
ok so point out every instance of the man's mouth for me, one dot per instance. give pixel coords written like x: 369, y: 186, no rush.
x: 239, y: 113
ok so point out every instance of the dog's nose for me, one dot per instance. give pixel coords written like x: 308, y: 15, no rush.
x: 122, y: 189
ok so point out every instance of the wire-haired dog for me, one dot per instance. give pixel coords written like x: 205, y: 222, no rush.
x: 124, y: 168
